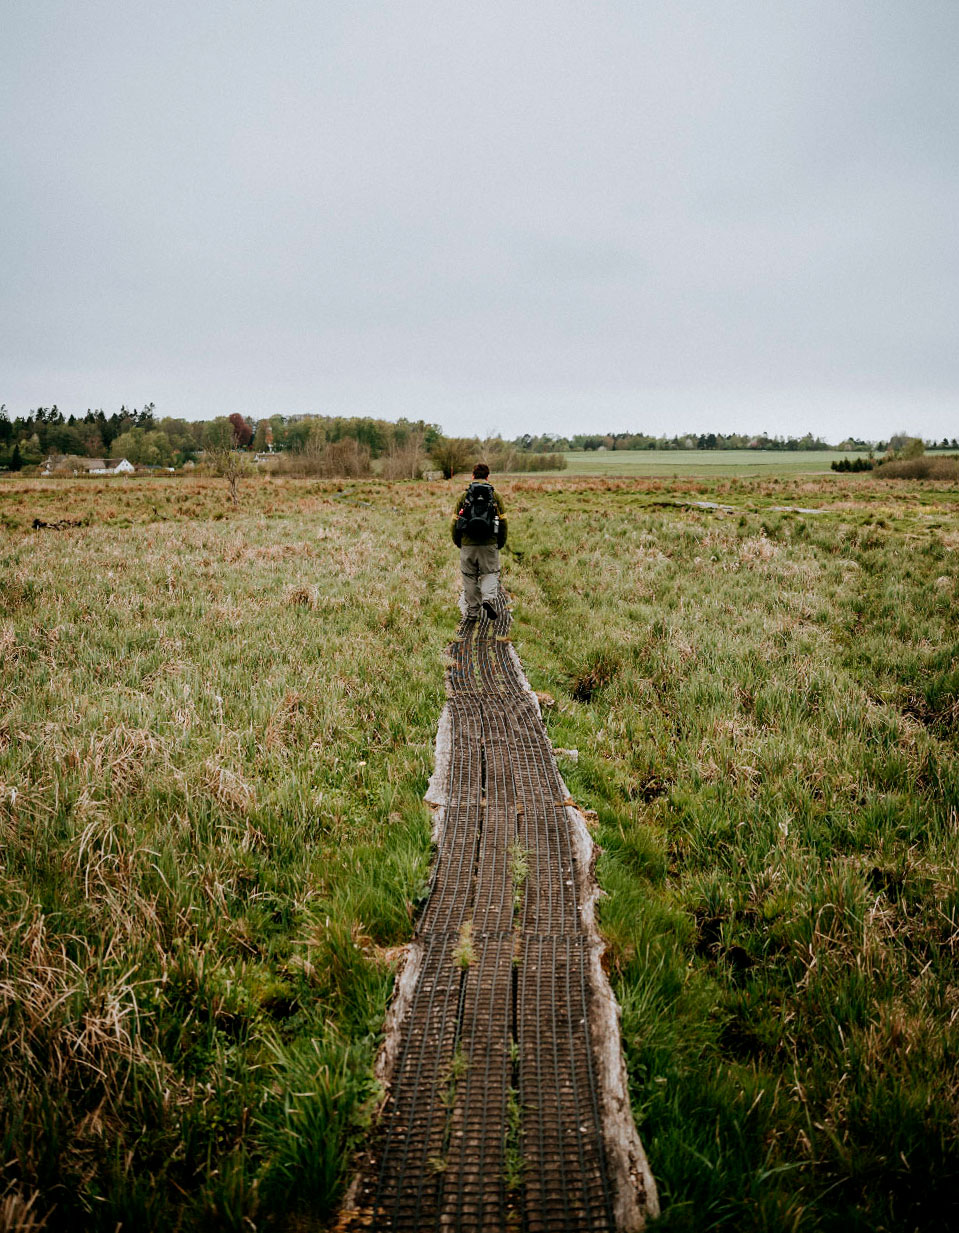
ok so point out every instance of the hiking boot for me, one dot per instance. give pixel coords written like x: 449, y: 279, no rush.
x: 490, y: 610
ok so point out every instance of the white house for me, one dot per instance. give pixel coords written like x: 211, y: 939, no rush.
x: 87, y: 466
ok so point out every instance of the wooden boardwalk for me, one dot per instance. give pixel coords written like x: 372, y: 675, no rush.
x: 506, y: 1104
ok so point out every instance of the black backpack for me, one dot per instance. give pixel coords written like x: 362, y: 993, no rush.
x: 478, y: 517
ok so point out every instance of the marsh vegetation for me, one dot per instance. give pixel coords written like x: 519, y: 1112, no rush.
x: 215, y: 733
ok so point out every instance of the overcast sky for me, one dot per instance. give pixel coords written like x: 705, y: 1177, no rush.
x: 652, y: 215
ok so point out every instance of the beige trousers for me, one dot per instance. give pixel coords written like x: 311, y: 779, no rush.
x: 479, y: 565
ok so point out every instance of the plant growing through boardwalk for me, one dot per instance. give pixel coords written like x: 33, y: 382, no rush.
x: 463, y: 952
x: 513, y: 1164
x: 448, y: 1083
x: 518, y: 871
x: 455, y: 1070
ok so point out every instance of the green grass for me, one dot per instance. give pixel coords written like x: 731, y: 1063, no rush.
x: 738, y: 463
x: 214, y: 741
x: 766, y: 711
x: 703, y: 462
x: 215, y: 731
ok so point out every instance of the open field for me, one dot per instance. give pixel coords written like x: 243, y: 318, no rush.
x: 215, y: 732
x: 740, y: 463
x: 703, y: 462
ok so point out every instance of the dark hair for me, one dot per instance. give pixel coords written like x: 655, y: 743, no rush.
x: 481, y: 471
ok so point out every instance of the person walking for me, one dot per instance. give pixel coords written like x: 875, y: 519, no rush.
x: 479, y: 531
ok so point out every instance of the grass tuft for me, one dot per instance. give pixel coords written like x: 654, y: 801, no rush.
x: 464, y: 953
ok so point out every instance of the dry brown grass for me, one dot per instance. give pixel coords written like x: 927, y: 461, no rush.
x: 302, y: 597
x: 60, y: 1021
x: 19, y: 1214
x: 227, y: 787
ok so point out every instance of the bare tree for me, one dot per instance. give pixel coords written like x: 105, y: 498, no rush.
x: 405, y: 461
x: 348, y: 458
x: 232, y: 466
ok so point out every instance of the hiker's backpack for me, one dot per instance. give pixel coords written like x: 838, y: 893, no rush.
x: 478, y: 516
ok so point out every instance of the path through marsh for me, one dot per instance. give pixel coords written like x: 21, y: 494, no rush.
x: 507, y: 1104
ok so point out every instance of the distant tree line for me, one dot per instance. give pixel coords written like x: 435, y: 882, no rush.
x: 148, y: 440
x: 350, y: 445
x: 297, y: 444
x: 137, y: 435
x: 697, y: 441
x: 710, y: 441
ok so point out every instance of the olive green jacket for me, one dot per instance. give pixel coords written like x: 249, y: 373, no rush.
x: 465, y: 541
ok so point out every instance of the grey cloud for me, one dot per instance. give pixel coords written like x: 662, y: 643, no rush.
x: 555, y: 214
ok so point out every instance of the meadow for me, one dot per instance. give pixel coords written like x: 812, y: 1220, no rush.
x: 742, y: 463
x: 215, y: 732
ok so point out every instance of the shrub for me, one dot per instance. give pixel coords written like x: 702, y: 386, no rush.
x: 406, y: 461
x: 517, y: 460
x: 452, y: 454
x: 347, y: 458
x: 924, y: 467
x: 539, y: 462
x: 344, y: 459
